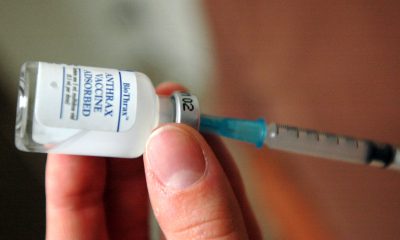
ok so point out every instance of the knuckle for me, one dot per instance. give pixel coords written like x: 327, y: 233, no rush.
x: 208, y: 228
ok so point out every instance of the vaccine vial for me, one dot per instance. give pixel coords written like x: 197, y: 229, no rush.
x: 93, y: 111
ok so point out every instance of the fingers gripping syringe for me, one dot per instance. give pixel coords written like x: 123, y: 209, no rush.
x: 303, y: 141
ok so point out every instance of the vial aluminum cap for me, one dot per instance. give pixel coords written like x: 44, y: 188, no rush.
x: 187, y: 109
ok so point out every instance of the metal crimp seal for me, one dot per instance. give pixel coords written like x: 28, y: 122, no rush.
x: 187, y: 109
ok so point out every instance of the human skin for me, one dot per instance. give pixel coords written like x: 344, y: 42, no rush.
x: 195, y: 191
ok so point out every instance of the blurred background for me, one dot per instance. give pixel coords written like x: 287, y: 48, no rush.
x: 327, y: 65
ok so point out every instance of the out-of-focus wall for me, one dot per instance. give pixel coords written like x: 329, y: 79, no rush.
x: 328, y: 65
x: 167, y: 40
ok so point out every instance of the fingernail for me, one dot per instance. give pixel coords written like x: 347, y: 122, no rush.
x: 175, y: 157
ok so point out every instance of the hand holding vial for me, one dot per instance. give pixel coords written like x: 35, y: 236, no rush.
x: 194, y: 188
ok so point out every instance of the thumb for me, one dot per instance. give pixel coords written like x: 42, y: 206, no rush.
x: 189, y: 192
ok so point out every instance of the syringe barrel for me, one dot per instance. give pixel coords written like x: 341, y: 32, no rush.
x: 318, y: 144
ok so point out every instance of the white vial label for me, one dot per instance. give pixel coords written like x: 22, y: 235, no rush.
x: 86, y: 98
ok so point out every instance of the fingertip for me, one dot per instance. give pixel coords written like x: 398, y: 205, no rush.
x: 167, y: 88
x: 187, y: 184
x: 55, y: 158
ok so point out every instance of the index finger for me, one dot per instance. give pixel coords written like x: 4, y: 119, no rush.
x: 74, y: 197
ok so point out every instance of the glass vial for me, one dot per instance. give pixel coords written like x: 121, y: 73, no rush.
x: 93, y: 111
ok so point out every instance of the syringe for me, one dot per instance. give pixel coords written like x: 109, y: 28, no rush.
x: 303, y: 141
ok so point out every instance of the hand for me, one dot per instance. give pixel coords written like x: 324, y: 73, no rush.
x: 195, y: 192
